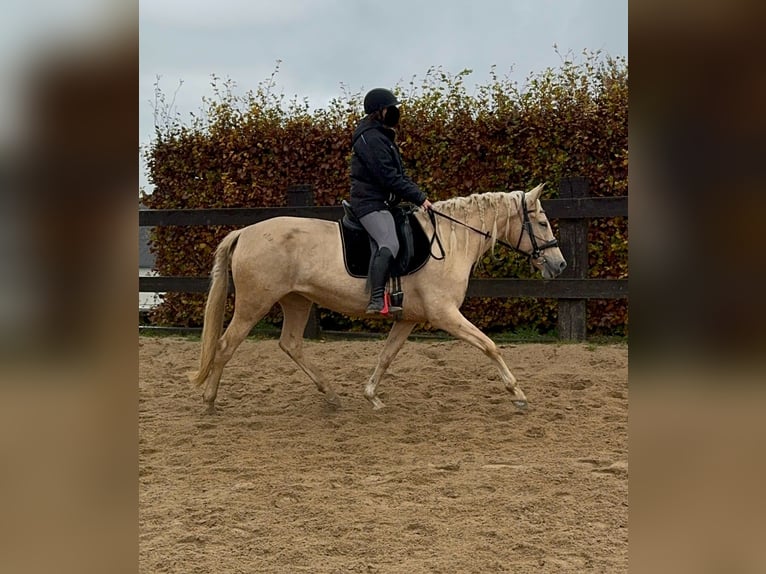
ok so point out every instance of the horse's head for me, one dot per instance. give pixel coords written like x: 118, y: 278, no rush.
x: 536, y: 238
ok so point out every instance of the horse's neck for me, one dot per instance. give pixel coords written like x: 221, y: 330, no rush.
x: 491, y: 213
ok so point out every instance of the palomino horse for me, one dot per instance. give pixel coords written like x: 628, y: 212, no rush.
x: 297, y: 261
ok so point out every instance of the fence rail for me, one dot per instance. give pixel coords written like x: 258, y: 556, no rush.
x: 554, y: 208
x: 495, y: 288
x: 574, y: 208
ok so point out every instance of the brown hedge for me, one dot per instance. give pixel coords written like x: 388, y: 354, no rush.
x: 245, y: 151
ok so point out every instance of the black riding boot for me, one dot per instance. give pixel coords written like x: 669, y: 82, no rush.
x: 379, y: 274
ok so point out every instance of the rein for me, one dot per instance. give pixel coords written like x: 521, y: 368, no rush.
x: 537, y: 250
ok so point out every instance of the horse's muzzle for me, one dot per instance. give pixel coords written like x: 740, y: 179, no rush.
x: 552, y: 269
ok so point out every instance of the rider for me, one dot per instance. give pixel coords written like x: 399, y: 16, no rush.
x: 378, y: 181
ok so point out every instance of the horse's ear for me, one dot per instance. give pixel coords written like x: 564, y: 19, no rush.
x: 533, y: 195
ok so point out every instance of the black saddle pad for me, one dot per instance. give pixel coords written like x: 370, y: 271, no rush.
x: 414, y: 248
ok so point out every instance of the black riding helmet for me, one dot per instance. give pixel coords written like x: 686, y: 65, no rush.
x: 379, y: 98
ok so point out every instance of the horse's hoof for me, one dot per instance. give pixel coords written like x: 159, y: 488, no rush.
x: 332, y: 400
x: 521, y: 405
x: 377, y: 404
x: 210, y: 409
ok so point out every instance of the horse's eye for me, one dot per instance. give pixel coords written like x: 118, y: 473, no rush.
x: 544, y: 223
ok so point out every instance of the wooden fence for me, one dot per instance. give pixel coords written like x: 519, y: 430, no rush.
x: 572, y: 288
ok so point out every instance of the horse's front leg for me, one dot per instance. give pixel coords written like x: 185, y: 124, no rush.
x: 456, y: 324
x: 394, y: 342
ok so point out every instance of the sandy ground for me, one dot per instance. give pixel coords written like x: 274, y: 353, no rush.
x: 449, y: 477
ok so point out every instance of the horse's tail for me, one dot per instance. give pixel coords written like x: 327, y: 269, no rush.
x: 212, y: 325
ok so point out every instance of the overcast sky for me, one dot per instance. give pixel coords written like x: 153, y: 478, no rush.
x: 324, y: 45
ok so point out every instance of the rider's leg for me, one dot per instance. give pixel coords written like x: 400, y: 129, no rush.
x: 380, y: 225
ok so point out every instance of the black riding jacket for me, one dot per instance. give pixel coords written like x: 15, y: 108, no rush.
x: 377, y: 174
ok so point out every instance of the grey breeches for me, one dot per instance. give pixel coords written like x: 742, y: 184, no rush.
x: 380, y: 226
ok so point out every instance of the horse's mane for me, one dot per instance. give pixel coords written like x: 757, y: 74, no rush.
x: 492, y: 208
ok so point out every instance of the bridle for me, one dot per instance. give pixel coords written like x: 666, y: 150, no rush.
x: 526, y: 225
x: 537, y: 250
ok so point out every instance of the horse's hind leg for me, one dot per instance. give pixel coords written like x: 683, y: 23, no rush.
x: 457, y: 325
x: 394, y: 342
x: 296, y: 309
x: 235, y: 333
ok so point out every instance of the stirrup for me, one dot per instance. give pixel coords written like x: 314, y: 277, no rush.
x: 374, y: 308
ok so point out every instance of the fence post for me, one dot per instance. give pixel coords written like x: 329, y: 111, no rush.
x: 573, y: 235
x: 302, y: 195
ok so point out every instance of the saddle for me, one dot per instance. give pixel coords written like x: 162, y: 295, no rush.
x: 358, y: 246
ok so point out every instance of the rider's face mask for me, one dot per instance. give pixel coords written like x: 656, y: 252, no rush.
x: 391, y: 117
